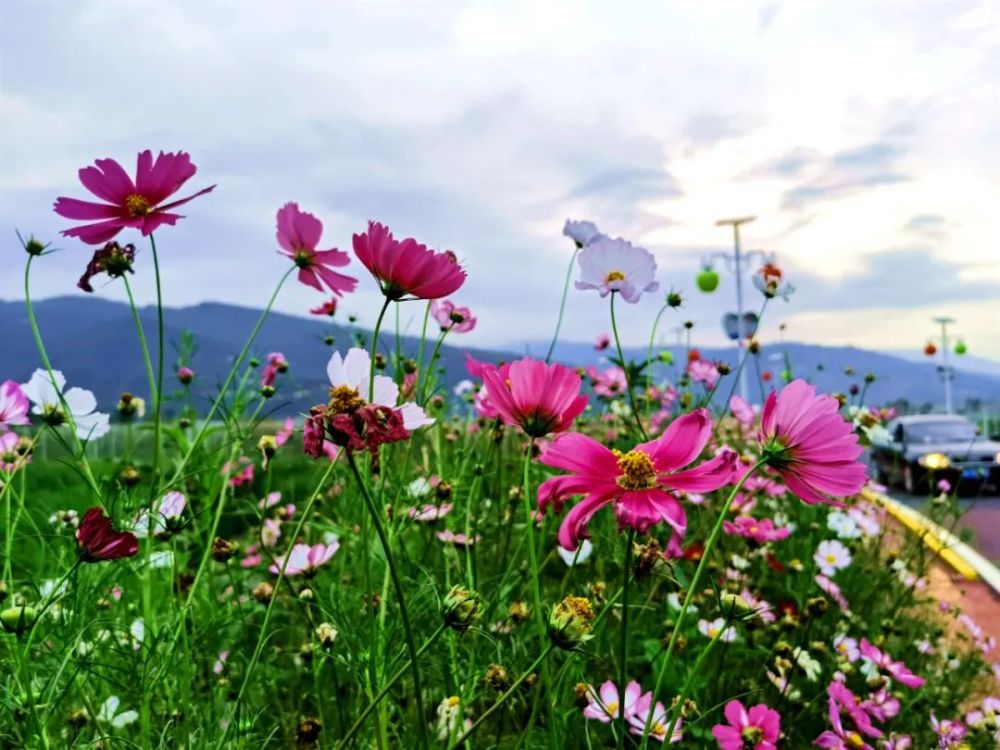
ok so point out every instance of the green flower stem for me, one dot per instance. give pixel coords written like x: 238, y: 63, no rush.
x: 652, y: 340
x: 43, y: 354
x: 628, y: 381
x: 158, y: 393
x: 422, y: 398
x: 207, y: 423
x: 143, y: 344
x: 503, y: 698
x: 423, y: 341
x: 397, y: 584
x: 692, y: 587
x: 371, y: 369
x: 689, y: 682
x: 623, y: 646
x: 386, y: 688
x: 562, y: 304
x: 536, y: 589
x: 262, y: 637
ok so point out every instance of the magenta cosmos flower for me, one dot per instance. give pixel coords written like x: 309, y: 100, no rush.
x: 640, y: 484
x: 897, y: 670
x: 804, y: 438
x: 305, y: 560
x: 452, y: 318
x: 756, y: 729
x: 13, y: 405
x: 139, y: 204
x: 299, y: 233
x: 759, y: 531
x: 405, y: 268
x: 537, y: 397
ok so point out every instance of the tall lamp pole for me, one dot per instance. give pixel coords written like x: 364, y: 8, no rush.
x: 946, y: 373
x: 738, y: 270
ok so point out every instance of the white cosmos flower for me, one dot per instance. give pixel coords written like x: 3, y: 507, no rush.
x: 617, y: 266
x: 108, y: 713
x: 843, y: 525
x: 581, y: 232
x: 90, y: 424
x: 353, y: 371
x: 832, y: 556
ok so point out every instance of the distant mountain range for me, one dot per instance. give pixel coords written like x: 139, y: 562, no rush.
x: 93, y: 342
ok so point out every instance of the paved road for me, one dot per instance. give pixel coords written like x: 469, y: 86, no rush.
x: 981, y: 517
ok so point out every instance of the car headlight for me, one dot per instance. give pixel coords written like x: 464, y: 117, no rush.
x: 934, y: 461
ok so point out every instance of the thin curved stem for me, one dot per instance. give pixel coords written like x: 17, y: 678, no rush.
x: 649, y: 351
x: 628, y: 381
x: 274, y: 597
x: 562, y: 304
x: 371, y: 369
x: 143, y: 344
x: 422, y: 399
x: 386, y: 688
x: 503, y: 698
x: 398, y: 585
x: 692, y: 587
x: 695, y: 672
x: 158, y: 394
x: 623, y: 644
x: 229, y: 380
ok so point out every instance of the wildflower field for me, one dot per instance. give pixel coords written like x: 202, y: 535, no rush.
x: 538, y: 557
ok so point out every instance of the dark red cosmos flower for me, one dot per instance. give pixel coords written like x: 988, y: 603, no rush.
x: 139, y: 204
x: 98, y: 540
x: 327, y: 308
x: 112, y: 259
x: 356, y: 429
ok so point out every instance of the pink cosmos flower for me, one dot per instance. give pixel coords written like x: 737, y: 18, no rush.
x: 97, y: 538
x: 950, y: 733
x: 804, y: 438
x: 10, y: 459
x: 897, y: 670
x: 640, y: 483
x: 881, y: 705
x: 13, y: 405
x: 459, y: 540
x: 657, y: 718
x: 429, y: 512
x: 602, y: 342
x: 896, y: 742
x: 833, y: 591
x: 304, y: 559
x: 839, y: 738
x: 607, y: 704
x: 539, y: 398
x: 452, y: 318
x: 847, y: 701
x: 847, y: 648
x: 283, y: 435
x: 165, y: 517
x: 239, y: 472
x: 136, y: 204
x: 298, y: 235
x: 760, y: 531
x: 484, y: 407
x: 608, y: 383
x: 406, y: 268
x: 704, y: 372
x: 756, y: 729
x: 742, y: 410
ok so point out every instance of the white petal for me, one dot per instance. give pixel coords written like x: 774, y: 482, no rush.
x: 358, y: 364
x: 39, y: 389
x: 80, y: 401
x: 386, y: 392
x: 414, y: 417
x: 335, y: 370
x: 92, y: 426
x: 124, y: 719
x: 108, y: 708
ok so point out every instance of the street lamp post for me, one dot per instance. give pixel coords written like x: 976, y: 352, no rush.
x: 737, y: 263
x: 946, y: 373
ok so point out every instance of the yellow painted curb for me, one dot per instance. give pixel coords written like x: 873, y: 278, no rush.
x: 940, y: 541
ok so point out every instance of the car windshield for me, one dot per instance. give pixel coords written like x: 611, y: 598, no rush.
x: 940, y: 432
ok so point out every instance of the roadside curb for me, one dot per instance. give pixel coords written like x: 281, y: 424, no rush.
x: 966, y: 561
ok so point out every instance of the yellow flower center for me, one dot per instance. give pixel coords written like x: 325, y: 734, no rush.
x: 638, y: 472
x: 752, y: 736
x: 658, y: 729
x: 453, y: 701
x: 855, y: 740
x: 831, y: 558
x: 612, y: 708
x: 344, y: 399
x: 614, y: 276
x: 136, y: 205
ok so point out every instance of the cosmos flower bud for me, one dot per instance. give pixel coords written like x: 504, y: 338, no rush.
x: 268, y: 446
x: 129, y: 476
x: 734, y: 603
x: 33, y: 246
x: 185, y: 375
x: 409, y: 366
x: 17, y: 620
x: 460, y: 608
x: 223, y: 549
x: 307, y: 735
x: 666, y: 357
x: 263, y: 592
x: 518, y: 611
x: 570, y: 622
x: 496, y: 678
x: 268, y: 391
x: 674, y: 299
x: 131, y: 406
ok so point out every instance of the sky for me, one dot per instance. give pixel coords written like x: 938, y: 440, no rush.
x: 862, y: 135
